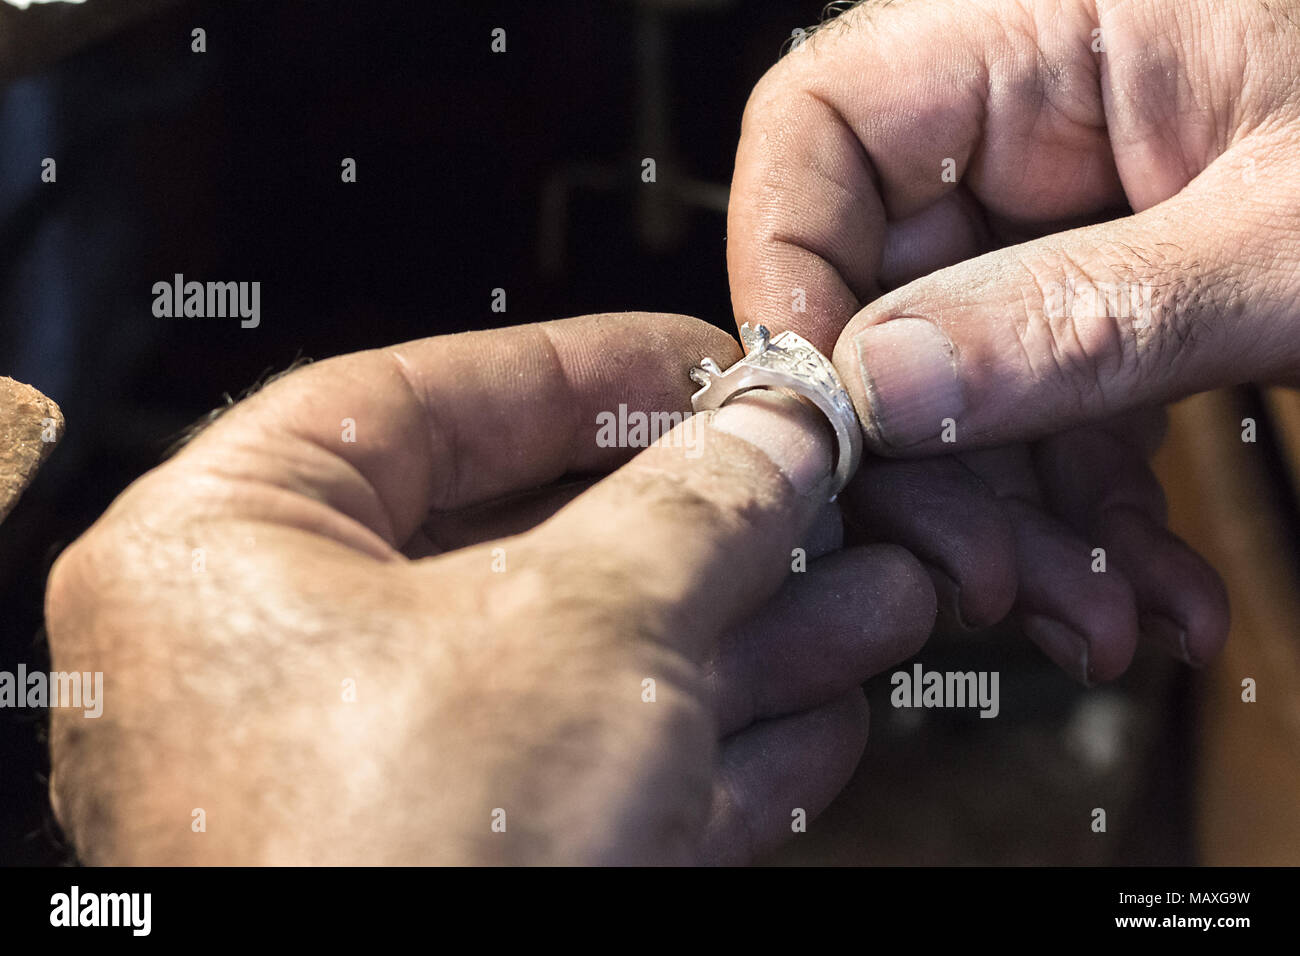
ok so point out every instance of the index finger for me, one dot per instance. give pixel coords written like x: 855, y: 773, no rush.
x: 364, y: 446
x: 906, y: 137
x: 692, y: 536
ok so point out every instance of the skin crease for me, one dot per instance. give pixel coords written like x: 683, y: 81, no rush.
x: 325, y: 561
x: 522, y: 690
x: 1146, y: 145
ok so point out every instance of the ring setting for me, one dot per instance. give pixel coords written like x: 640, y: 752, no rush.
x: 791, y: 362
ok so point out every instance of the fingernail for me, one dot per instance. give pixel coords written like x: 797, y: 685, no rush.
x: 909, y: 372
x: 1063, y: 644
x: 1168, y: 634
x: 793, y: 436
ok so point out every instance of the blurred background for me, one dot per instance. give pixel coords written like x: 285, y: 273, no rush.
x: 522, y: 171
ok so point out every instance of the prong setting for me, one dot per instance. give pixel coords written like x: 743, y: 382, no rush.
x: 791, y: 363
x: 756, y: 339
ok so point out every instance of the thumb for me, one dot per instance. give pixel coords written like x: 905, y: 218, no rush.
x: 1189, y: 295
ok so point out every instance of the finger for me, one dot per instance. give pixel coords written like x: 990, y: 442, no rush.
x: 949, y: 230
x: 1182, y: 602
x: 1104, y: 489
x: 1087, y: 471
x: 944, y: 514
x: 682, y: 546
x: 844, y: 138
x: 1142, y: 429
x: 1074, y: 327
x: 782, y: 772
x: 523, y: 511
x: 852, y: 615
x: 1083, y: 620
x: 366, y: 445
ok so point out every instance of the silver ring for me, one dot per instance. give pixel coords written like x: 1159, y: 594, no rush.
x: 787, y: 361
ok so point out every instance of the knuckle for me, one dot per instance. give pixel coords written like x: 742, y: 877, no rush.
x: 772, y: 88
x: 60, y: 590
x: 72, y: 590
x: 1102, y: 331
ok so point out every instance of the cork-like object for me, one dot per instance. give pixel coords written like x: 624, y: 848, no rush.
x: 30, y: 426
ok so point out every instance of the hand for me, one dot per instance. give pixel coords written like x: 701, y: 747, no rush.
x: 372, y: 651
x: 944, y: 186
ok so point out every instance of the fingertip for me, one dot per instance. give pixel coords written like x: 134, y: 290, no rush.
x: 989, y: 587
x: 1208, y: 619
x: 903, y: 582
x: 847, y: 720
x: 1196, y: 630
x: 655, y: 347
x: 1106, y: 619
x: 1084, y: 652
x: 1109, y: 625
x: 1183, y: 601
x: 717, y: 343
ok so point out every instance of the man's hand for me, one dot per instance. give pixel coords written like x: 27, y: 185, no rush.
x: 344, y: 651
x: 944, y: 188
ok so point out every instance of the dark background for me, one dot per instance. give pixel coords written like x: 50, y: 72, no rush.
x: 476, y: 171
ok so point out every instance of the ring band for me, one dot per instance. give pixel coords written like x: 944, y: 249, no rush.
x: 787, y: 361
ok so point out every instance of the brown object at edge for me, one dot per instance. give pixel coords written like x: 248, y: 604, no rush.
x: 30, y: 426
x: 1248, y: 811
